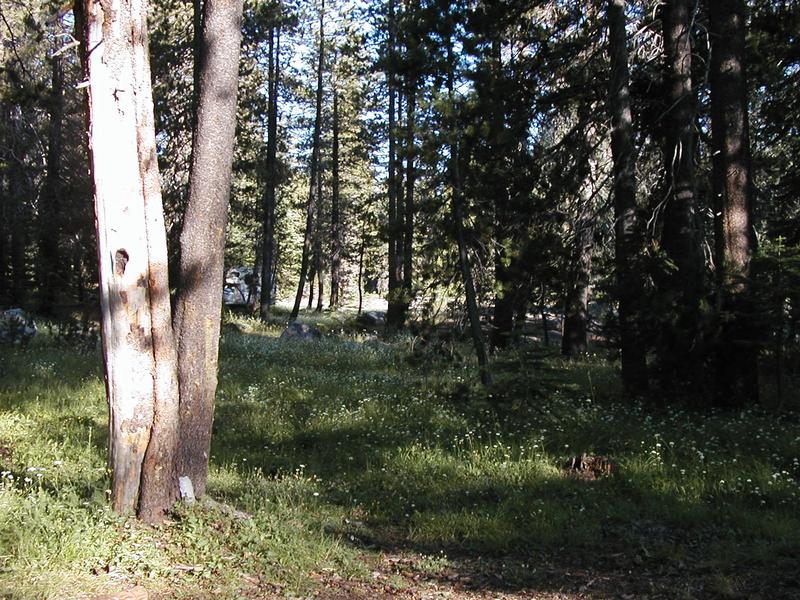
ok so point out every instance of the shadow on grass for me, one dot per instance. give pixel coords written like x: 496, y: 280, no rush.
x: 428, y: 468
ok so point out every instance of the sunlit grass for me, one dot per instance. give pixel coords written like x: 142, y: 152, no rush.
x: 340, y: 449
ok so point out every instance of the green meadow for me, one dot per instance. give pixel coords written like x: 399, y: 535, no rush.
x: 367, y: 467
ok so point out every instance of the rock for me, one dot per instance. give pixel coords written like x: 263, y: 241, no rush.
x: 301, y: 332
x: 186, y: 489
x: 135, y: 593
x: 231, y: 328
x: 372, y: 318
x: 241, y: 283
x: 16, y: 326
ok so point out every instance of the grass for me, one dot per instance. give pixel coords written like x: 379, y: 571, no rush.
x: 357, y: 462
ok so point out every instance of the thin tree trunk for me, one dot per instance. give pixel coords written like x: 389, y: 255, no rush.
x: 312, y: 277
x: 4, y: 243
x: 199, y: 301
x: 679, y: 238
x: 737, y: 356
x: 313, y: 175
x: 138, y: 349
x: 627, y: 227
x: 19, y: 233
x: 361, y: 250
x: 408, y: 222
x: 458, y: 222
x: 268, y: 205
x: 394, y: 309
x: 505, y: 279
x: 318, y: 245
x: 50, y: 200
x: 576, y: 303
x: 336, y: 241
x: 543, y: 314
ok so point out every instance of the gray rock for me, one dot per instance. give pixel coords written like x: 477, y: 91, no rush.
x: 372, y: 318
x: 301, y: 332
x: 16, y: 326
x: 241, y: 283
x: 186, y: 489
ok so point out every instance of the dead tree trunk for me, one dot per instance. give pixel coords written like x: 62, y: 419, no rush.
x: 138, y: 348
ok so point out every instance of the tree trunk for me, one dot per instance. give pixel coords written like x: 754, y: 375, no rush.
x: 318, y: 244
x: 199, y: 301
x: 313, y: 174
x: 626, y: 214
x: 48, y: 267
x: 5, y: 217
x: 268, y: 205
x: 458, y: 222
x: 361, y: 250
x: 394, y: 312
x: 138, y: 349
x: 336, y: 241
x: 19, y: 235
x: 159, y: 486
x: 679, y: 237
x: 576, y: 303
x: 737, y: 356
x: 408, y: 221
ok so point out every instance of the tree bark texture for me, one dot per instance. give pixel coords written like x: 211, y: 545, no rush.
x: 626, y: 214
x: 199, y: 301
x: 679, y: 238
x: 268, y: 205
x: 139, y: 354
x: 737, y: 356
x: 313, y: 175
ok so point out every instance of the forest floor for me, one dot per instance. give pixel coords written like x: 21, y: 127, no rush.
x: 360, y: 467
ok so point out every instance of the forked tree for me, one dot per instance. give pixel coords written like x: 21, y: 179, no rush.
x: 160, y: 412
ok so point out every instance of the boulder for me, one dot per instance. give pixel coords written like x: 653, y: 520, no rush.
x: 372, y: 318
x: 16, y: 326
x: 301, y: 332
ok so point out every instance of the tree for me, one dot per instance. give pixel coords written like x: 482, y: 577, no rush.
x: 626, y: 226
x: 198, y: 303
x: 336, y: 226
x: 313, y: 191
x: 576, y: 302
x: 737, y: 350
x: 138, y: 348
x: 394, y: 312
x: 684, y: 283
x: 268, y: 206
